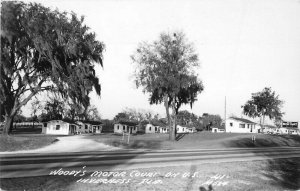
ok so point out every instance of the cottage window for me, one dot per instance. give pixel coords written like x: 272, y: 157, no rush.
x: 45, y: 124
x: 242, y: 125
x: 118, y: 127
x: 230, y: 124
x: 86, y: 126
x: 248, y: 125
x: 57, y: 127
x: 149, y: 128
x: 124, y: 127
x: 155, y: 128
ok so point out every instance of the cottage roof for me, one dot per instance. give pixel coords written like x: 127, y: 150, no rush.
x: 64, y: 120
x: 241, y: 119
x: 158, y: 123
x: 129, y: 123
x: 92, y: 122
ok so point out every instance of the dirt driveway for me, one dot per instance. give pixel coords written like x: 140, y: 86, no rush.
x: 76, y: 143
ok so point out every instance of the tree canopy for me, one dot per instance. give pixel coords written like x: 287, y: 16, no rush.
x: 264, y: 103
x: 185, y: 117
x: 166, y: 70
x: 209, y: 120
x: 45, y: 50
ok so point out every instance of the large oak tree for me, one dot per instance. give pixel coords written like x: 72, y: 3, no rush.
x: 262, y: 104
x: 166, y: 70
x: 44, y: 50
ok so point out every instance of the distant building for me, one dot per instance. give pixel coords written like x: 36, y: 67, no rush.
x: 240, y: 125
x: 191, y: 130
x: 181, y: 129
x: 294, y: 131
x: 218, y: 129
x: 269, y: 129
x: 125, y: 127
x: 287, y: 130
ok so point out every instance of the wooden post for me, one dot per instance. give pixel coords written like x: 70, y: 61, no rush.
x: 128, y: 138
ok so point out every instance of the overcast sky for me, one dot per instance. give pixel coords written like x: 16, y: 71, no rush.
x: 243, y: 46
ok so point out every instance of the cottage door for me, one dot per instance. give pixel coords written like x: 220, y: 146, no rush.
x: 72, y: 129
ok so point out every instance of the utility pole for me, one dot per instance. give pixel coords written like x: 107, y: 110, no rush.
x: 225, y: 110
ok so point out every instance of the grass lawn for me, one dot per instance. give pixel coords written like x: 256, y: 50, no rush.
x: 273, y: 175
x: 25, y: 139
x: 196, y: 140
x: 25, y: 142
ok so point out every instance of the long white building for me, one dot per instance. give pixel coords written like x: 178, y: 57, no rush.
x: 240, y: 125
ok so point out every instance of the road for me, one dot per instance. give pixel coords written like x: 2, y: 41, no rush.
x: 27, y: 165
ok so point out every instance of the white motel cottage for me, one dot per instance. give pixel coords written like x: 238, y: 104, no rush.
x: 59, y: 127
x: 94, y: 127
x: 240, y: 125
x: 287, y: 130
x: 69, y: 127
x: 218, y: 129
x: 125, y: 127
x: 156, y: 127
x: 185, y: 129
x: 164, y: 129
x: 150, y: 128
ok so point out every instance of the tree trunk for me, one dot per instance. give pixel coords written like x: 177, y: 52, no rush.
x: 168, y: 117
x: 263, y: 124
x: 8, y: 124
x: 173, y: 133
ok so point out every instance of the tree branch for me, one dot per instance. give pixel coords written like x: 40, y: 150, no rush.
x: 34, y: 92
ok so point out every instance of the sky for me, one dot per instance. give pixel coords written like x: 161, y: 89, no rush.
x: 243, y: 46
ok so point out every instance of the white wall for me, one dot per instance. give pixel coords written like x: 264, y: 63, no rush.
x: 190, y: 130
x: 181, y: 129
x: 119, y: 128
x: 51, y: 128
x: 217, y: 130
x: 152, y: 129
x: 163, y: 130
x: 149, y: 128
x: 283, y: 130
x: 233, y: 126
x: 214, y: 130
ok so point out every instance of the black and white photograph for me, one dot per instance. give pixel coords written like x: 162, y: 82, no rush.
x: 150, y: 95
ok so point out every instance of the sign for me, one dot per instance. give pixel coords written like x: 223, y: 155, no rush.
x: 289, y: 124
